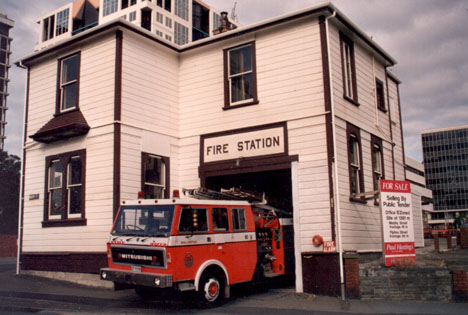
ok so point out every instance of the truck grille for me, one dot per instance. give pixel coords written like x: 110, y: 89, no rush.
x: 138, y: 256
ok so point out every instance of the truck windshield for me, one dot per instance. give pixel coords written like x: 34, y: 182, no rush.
x: 144, y: 221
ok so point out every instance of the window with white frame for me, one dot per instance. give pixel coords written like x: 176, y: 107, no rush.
x: 68, y: 82
x: 168, y: 22
x: 348, y: 69
x: 240, y: 75
x: 48, y: 28
x: 380, y: 95
x: 109, y: 7
x: 127, y: 3
x: 180, y: 34
x: 62, y: 22
x: 181, y: 9
x: 159, y: 17
x: 169, y: 38
x: 159, y: 33
x: 155, y: 176
x: 216, y: 20
x: 65, y: 189
x: 132, y: 16
x: 377, y: 162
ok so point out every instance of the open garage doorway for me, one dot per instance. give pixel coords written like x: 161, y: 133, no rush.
x: 275, y: 184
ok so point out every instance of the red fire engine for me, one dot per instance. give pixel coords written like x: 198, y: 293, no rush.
x: 204, y: 242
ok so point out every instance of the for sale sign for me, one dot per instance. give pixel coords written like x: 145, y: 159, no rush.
x: 397, y: 221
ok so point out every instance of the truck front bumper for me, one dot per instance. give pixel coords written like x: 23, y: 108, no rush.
x: 137, y: 278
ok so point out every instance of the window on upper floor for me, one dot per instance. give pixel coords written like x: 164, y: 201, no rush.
x: 356, y: 175
x: 155, y: 176
x: 68, y: 83
x: 377, y: 163
x: 380, y: 95
x: 62, y: 22
x: 132, y: 16
x: 127, y: 3
x: 159, y: 3
x: 181, y: 9
x: 240, y: 76
x: 169, y: 38
x: 167, y: 5
x: 180, y: 34
x: 64, y: 189
x: 109, y: 7
x: 48, y: 28
x: 159, y: 17
x: 348, y: 69
x: 168, y: 22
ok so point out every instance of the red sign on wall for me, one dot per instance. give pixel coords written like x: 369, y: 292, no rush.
x: 329, y: 247
x: 397, y: 221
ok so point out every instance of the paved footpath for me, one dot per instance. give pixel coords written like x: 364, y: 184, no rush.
x: 23, y: 294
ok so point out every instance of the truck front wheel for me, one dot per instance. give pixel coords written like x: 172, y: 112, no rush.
x: 211, y: 289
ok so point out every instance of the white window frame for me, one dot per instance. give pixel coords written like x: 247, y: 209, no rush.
x: 64, y: 85
x: 348, y: 70
x: 62, y: 21
x: 51, y: 188
x: 162, y: 175
x: 109, y: 7
x: 69, y: 186
x: 356, y: 164
x: 241, y: 74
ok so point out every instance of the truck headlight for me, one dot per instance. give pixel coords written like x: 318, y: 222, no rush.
x: 157, y: 281
x: 104, y: 275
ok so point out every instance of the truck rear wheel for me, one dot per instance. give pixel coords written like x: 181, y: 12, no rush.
x: 211, y: 289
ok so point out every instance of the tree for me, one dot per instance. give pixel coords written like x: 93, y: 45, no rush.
x: 9, y: 192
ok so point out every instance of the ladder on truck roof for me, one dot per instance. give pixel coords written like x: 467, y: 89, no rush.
x: 257, y: 200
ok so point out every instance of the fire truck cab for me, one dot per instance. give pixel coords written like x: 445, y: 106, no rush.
x: 202, y: 245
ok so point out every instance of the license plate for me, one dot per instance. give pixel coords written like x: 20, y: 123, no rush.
x: 136, y: 268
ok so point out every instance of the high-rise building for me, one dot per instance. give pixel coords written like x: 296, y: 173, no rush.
x: 446, y: 166
x: 5, y: 25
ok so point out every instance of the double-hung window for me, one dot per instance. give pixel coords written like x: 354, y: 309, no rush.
x: 356, y: 176
x: 348, y: 69
x: 65, y: 178
x: 377, y: 162
x: 48, y: 28
x: 110, y: 6
x: 62, y: 22
x: 155, y: 176
x: 240, y: 76
x: 380, y: 95
x: 69, y: 72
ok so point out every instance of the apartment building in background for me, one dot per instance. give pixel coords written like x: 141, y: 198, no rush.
x: 445, y: 152
x: 5, y: 51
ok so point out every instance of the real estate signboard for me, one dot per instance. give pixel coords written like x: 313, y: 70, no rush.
x: 397, y: 222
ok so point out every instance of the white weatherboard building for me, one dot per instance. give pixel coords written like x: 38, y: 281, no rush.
x: 301, y: 107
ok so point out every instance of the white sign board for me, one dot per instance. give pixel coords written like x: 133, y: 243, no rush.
x: 244, y: 145
x: 397, y: 221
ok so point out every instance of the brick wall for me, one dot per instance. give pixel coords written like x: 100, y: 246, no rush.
x: 351, y: 270
x: 428, y: 284
x: 460, y: 289
x: 8, y: 245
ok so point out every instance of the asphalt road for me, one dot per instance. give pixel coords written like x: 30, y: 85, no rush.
x: 23, y: 294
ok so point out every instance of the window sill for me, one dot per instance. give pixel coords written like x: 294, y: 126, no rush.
x: 64, y: 223
x: 240, y: 105
x: 351, y: 100
x: 358, y: 200
x: 382, y: 109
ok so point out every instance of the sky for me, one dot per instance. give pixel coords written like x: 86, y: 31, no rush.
x: 428, y: 38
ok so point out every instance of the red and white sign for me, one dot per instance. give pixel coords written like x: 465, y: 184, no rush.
x: 329, y: 247
x: 397, y: 221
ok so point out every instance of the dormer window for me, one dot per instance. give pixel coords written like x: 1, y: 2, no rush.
x: 68, y: 82
x: 48, y: 28
x: 62, y: 22
x: 55, y: 25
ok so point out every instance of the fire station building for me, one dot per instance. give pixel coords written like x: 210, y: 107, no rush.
x: 301, y: 107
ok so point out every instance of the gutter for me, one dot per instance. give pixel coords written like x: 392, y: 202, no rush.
x: 335, y: 162
x: 21, y: 203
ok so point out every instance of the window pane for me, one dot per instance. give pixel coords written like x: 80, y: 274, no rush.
x: 220, y: 219
x: 241, y: 88
x: 74, y: 199
x: 193, y: 220
x: 56, y: 202
x: 56, y: 174
x: 154, y: 170
x: 240, y: 60
x: 70, y: 69
x: 154, y: 192
x: 62, y: 22
x: 74, y: 171
x: 69, y: 97
x: 354, y: 181
x: 354, y: 151
x: 238, y: 219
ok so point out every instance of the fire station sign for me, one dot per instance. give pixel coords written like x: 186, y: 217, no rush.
x: 236, y: 145
x: 397, y: 221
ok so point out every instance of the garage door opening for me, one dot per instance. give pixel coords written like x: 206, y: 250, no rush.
x: 275, y: 184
